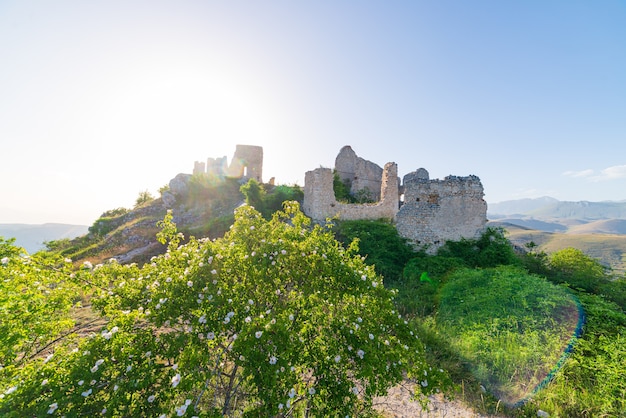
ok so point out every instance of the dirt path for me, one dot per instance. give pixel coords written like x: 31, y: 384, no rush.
x: 398, y: 404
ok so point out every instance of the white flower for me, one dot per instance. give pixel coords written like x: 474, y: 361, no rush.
x: 202, y: 319
x: 273, y: 360
x: 10, y: 390
x: 151, y: 398
x: 176, y: 380
x: 213, y: 271
x: 542, y: 414
x: 283, y: 252
x: 81, y: 382
x: 280, y: 406
x: 359, y: 319
x: 86, y: 393
x: 94, y: 369
x: 168, y: 280
x: 5, y: 260
x: 99, y: 362
x: 87, y: 265
x: 53, y: 407
x: 291, y: 317
x: 44, y: 382
x: 258, y: 334
x: 48, y: 358
x: 189, y: 283
x: 129, y: 368
x: 360, y: 353
x: 115, y: 388
x: 424, y: 383
x: 337, y: 358
x: 248, y: 319
x: 311, y: 391
x: 364, y: 277
x: 181, y: 410
x: 292, y: 392
x: 371, y: 336
x: 355, y: 390
x: 210, y: 335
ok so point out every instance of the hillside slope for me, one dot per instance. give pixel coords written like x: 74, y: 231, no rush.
x: 609, y: 248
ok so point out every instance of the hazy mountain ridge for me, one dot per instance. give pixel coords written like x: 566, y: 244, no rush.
x: 596, y: 228
x: 32, y: 236
x: 550, y: 208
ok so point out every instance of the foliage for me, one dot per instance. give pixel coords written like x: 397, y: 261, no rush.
x: 341, y: 189
x: 491, y: 249
x: 573, y: 267
x: 143, y: 198
x: 275, y: 319
x: 269, y: 199
x: 380, y: 242
x: 36, y: 295
x: 510, y: 326
x: 343, y: 192
x: 591, y: 383
x: 107, y: 222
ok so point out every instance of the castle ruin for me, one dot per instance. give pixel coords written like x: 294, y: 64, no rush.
x: 247, y: 163
x: 427, y: 212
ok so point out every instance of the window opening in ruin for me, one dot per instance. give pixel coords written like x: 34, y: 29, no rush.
x: 245, y: 171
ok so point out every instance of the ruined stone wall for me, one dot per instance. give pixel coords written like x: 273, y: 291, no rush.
x: 320, y: 203
x: 247, y: 163
x: 216, y: 166
x: 435, y: 211
x: 360, y: 173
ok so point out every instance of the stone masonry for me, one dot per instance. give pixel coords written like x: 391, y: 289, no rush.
x: 247, y: 163
x: 320, y: 203
x: 427, y: 212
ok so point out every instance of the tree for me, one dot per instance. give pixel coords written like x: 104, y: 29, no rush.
x: 144, y: 197
x: 274, y: 319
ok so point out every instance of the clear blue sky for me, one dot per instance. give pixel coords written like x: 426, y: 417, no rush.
x: 100, y: 100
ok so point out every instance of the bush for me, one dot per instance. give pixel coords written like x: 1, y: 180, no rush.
x: 275, y: 319
x: 380, y: 243
x: 491, y: 249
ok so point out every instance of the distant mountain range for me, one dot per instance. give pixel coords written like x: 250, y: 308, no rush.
x: 550, y: 208
x: 596, y: 228
x: 32, y: 237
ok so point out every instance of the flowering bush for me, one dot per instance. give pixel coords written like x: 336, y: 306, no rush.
x: 274, y: 319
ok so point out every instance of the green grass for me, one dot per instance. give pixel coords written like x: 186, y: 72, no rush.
x: 511, y: 327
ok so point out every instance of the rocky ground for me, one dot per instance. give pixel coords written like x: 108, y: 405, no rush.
x: 398, y: 404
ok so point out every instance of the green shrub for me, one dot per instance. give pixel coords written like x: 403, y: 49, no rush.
x: 491, y: 249
x: 275, y: 319
x: 380, y: 243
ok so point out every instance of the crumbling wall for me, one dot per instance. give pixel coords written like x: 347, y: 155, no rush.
x: 216, y: 166
x: 320, y: 203
x: 435, y: 211
x: 247, y: 163
x: 359, y: 173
